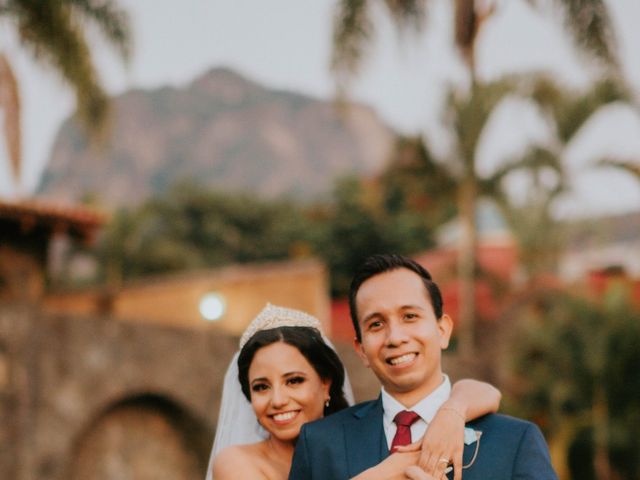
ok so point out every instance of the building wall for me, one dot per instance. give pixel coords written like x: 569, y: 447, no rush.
x: 576, y: 264
x: 175, y: 299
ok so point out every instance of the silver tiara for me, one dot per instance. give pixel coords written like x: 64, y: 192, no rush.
x: 273, y: 316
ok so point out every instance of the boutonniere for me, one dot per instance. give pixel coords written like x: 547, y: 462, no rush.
x: 471, y: 436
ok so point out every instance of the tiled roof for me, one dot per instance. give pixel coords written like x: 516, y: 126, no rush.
x: 77, y: 220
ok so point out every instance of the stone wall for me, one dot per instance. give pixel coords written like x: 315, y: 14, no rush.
x: 80, y: 388
x: 94, y: 397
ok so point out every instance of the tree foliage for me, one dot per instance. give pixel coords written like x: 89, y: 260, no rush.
x: 357, y: 224
x: 531, y: 217
x: 574, y: 372
x: 193, y: 228
x: 55, y: 33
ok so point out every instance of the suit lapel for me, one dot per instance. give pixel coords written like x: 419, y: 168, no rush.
x: 365, y: 440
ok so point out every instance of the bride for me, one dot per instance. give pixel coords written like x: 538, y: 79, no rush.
x: 286, y: 374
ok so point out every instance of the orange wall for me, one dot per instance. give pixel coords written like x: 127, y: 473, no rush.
x: 174, y: 300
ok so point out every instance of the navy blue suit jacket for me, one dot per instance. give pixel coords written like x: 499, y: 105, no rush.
x: 346, y: 443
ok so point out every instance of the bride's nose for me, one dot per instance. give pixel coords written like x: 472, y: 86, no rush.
x: 280, y: 396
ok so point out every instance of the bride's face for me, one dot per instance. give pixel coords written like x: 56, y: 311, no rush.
x: 286, y: 391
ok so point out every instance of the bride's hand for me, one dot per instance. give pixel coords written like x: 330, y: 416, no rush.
x: 416, y: 473
x: 443, y: 440
x: 392, y: 468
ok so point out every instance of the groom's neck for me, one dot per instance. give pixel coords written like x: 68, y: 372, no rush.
x: 412, y: 396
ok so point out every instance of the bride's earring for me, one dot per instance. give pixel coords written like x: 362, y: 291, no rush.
x: 326, y: 403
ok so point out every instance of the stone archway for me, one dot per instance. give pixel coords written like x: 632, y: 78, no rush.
x: 143, y: 438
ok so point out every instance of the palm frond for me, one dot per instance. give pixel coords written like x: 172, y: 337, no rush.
x: 569, y: 110
x: 112, y: 21
x: 352, y: 33
x: 578, y: 109
x: 590, y: 25
x: 467, y: 113
x: 53, y: 31
x: 632, y: 167
x: 47, y: 28
x: 10, y: 105
x: 536, y: 159
x: 408, y: 14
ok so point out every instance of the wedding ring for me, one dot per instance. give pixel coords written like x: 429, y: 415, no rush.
x: 444, y: 460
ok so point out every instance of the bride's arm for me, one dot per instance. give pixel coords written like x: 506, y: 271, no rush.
x: 472, y: 399
x: 232, y: 463
x: 444, y: 439
x: 398, y: 466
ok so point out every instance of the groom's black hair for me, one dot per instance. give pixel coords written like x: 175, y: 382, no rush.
x: 386, y: 262
x: 310, y: 344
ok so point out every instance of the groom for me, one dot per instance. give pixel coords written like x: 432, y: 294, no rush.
x: 401, y: 331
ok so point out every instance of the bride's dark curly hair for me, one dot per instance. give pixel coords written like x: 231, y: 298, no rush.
x: 310, y: 344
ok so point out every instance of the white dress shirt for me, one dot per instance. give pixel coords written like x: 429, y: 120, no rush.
x: 426, y: 408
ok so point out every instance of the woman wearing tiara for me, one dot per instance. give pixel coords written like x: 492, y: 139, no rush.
x: 286, y: 374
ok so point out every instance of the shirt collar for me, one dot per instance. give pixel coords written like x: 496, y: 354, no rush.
x: 426, y: 408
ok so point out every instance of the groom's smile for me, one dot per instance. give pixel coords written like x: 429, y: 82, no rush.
x: 403, y: 360
x: 401, y: 339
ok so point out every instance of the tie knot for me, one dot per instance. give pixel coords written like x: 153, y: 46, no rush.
x: 406, y: 418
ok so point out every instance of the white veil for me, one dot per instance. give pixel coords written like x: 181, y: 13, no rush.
x: 237, y: 423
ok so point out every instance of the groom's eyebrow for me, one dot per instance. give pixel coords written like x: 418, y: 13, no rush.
x: 370, y: 316
x: 373, y: 315
x: 411, y: 307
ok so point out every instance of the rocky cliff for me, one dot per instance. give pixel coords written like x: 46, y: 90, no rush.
x: 222, y: 130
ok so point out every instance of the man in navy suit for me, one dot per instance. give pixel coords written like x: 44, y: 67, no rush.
x: 401, y: 331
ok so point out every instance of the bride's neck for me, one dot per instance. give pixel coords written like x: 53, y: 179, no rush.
x: 283, y: 451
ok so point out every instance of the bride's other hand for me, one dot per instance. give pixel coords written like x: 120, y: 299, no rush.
x: 392, y: 468
x: 416, y: 473
x: 443, y: 442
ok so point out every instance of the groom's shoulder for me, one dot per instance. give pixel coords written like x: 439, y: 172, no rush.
x: 501, y: 420
x: 337, y: 419
x: 507, y: 425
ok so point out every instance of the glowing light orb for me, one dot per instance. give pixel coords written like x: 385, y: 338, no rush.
x: 212, y: 306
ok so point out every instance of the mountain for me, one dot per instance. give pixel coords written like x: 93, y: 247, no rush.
x: 222, y: 130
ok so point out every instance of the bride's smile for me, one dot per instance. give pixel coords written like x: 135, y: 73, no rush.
x: 286, y: 417
x: 286, y: 391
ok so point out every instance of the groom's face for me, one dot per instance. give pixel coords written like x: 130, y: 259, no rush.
x: 402, y: 339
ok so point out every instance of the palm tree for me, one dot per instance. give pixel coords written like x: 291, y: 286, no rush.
x: 530, y: 217
x: 531, y: 220
x: 587, y: 21
x: 455, y: 179
x: 54, y: 33
x: 354, y: 29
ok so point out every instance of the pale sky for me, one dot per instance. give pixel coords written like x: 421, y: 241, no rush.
x: 286, y: 44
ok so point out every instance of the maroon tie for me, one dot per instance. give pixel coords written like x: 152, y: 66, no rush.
x: 403, y: 420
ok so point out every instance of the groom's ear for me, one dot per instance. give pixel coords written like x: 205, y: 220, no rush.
x: 357, y: 345
x: 445, y: 328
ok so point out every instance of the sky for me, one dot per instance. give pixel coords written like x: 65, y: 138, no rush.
x: 286, y: 44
